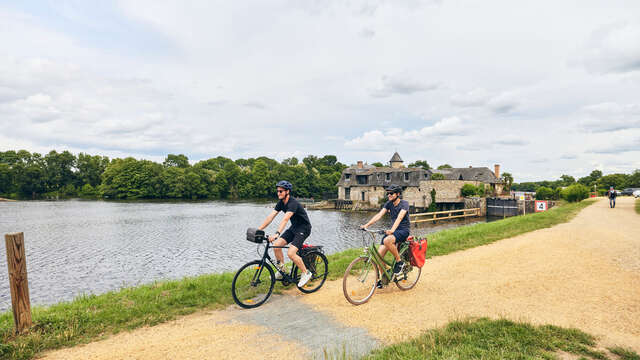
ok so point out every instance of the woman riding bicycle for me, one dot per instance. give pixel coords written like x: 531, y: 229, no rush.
x: 399, y: 231
x: 295, y: 235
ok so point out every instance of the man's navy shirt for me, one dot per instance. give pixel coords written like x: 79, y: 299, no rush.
x: 299, y: 218
x: 395, y: 210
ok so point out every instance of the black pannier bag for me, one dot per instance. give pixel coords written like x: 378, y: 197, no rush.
x: 255, y: 235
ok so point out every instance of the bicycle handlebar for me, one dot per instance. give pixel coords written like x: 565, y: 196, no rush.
x: 380, y: 232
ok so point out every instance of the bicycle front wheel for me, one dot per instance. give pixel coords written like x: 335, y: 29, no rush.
x: 252, y: 285
x: 318, y: 264
x: 409, y: 277
x: 359, y: 282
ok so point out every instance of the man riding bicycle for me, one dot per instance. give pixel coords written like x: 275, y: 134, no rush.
x: 295, y: 235
x: 399, y: 231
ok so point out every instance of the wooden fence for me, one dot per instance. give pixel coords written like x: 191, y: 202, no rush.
x: 443, y: 215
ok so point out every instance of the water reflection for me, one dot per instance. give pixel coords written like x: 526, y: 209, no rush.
x: 76, y: 247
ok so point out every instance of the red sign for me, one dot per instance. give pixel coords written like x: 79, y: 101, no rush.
x: 541, y: 205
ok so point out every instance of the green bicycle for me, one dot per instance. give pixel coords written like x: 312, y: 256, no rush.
x: 362, y: 275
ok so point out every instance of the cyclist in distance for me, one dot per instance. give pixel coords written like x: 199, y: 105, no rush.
x: 399, y: 232
x: 295, y: 235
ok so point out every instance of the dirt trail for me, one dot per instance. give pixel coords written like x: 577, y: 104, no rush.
x: 583, y: 274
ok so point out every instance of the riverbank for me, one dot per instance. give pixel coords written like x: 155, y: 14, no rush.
x: 95, y: 316
x: 3, y: 199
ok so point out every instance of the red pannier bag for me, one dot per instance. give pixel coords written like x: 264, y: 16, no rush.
x: 418, y: 250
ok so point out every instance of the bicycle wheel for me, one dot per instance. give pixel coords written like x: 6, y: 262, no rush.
x: 409, y: 277
x: 317, y: 263
x: 359, y: 282
x: 252, y: 285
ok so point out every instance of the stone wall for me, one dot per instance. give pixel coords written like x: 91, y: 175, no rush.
x: 476, y: 202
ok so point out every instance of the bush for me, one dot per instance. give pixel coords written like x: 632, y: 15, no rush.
x: 437, y: 176
x: 468, y: 190
x: 575, y: 193
x: 544, y: 193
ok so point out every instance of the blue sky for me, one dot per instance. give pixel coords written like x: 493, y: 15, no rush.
x: 543, y: 89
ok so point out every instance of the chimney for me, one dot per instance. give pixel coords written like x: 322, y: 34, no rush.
x: 470, y: 166
x: 360, y: 166
x: 497, y: 171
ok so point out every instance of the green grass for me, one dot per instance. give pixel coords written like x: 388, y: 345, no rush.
x: 638, y: 205
x: 88, y: 318
x: 497, y: 339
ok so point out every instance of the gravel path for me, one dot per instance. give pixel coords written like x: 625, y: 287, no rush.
x: 583, y: 274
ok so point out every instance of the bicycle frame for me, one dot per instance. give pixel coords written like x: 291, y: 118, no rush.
x: 371, y: 251
x: 266, y: 257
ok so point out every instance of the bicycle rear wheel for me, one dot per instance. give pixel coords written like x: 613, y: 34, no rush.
x: 359, y: 281
x: 409, y: 277
x: 252, y: 285
x: 318, y: 264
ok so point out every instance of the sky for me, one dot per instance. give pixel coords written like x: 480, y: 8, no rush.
x: 542, y: 88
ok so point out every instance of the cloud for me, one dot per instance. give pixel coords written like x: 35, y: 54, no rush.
x: 501, y: 103
x: 614, y: 48
x: 401, y: 85
x: 609, y: 116
x: 511, y: 140
x: 617, y: 148
x: 255, y: 105
x: 379, y: 140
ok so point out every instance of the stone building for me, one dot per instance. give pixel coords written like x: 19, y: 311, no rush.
x: 366, y: 184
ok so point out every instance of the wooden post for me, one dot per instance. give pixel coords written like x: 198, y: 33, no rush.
x: 17, y: 264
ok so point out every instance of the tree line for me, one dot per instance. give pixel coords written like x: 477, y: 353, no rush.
x: 25, y: 175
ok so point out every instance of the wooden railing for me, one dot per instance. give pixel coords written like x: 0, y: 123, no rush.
x: 443, y: 215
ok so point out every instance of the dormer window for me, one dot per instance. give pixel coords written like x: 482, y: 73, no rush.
x: 388, y: 177
x: 347, y: 177
x: 406, y: 176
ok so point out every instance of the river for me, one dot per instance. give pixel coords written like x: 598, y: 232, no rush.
x: 91, y: 247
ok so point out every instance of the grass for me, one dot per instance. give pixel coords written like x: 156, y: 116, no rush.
x: 92, y: 317
x: 498, y: 339
x: 638, y: 205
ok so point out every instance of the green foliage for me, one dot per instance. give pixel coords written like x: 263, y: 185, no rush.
x: 567, y: 180
x: 544, y: 193
x: 62, y: 174
x: 575, y: 193
x: 432, y: 205
x: 468, y: 190
x: 445, y: 166
x: 507, y: 179
x: 377, y: 164
x: 420, y: 164
x: 437, y: 176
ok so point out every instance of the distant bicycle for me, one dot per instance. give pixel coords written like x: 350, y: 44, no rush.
x: 253, y: 284
x: 369, y: 271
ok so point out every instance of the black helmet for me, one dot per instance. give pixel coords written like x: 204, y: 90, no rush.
x: 394, y: 189
x: 284, y: 184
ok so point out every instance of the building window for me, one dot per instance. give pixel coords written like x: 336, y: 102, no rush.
x: 406, y: 176
x: 426, y: 176
x: 363, y: 196
x: 362, y: 179
x: 347, y: 177
x: 379, y: 177
x: 388, y: 176
x: 347, y: 193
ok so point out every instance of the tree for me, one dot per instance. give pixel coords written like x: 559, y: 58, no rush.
x: 437, y: 176
x: 377, y: 164
x: 507, y: 180
x: 544, y: 193
x: 445, y: 166
x: 468, y: 190
x: 567, y: 180
x: 420, y: 164
x: 180, y: 161
x: 575, y: 193
x: 433, y: 206
x: 90, y: 169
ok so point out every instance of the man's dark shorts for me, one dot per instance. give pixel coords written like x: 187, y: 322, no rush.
x: 400, y: 234
x: 296, y: 237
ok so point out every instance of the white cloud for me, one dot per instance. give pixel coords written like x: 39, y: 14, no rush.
x: 614, y: 48
x: 610, y: 116
x: 401, y: 85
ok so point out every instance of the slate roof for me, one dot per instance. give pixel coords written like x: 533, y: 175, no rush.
x: 377, y: 176
x: 483, y: 174
x: 396, y: 158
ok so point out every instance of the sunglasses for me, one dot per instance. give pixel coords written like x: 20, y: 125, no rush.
x: 390, y: 194
x: 280, y: 191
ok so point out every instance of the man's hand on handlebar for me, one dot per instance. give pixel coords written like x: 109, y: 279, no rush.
x: 388, y: 232
x: 273, y: 238
x: 363, y: 227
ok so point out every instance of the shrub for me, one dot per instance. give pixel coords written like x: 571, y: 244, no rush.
x: 544, y: 193
x: 437, y: 176
x: 469, y: 190
x: 575, y: 193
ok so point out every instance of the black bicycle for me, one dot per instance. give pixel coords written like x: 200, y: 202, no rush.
x: 253, y: 283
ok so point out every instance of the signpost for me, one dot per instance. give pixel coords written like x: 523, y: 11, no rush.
x: 541, y: 205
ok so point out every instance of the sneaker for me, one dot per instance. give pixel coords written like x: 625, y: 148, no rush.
x: 397, y: 269
x: 304, y: 278
x: 379, y: 284
x: 280, y: 266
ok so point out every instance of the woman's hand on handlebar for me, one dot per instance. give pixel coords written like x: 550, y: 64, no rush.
x: 273, y: 238
x: 388, y: 232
